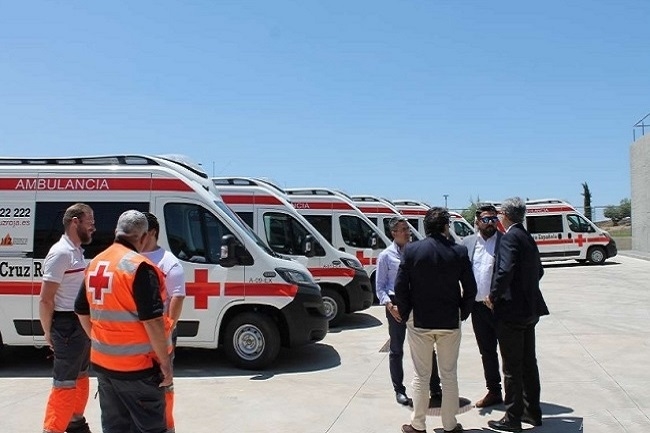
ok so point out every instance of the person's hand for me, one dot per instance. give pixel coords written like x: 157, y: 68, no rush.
x: 392, y: 309
x: 48, y: 340
x: 168, y: 374
x: 488, y: 303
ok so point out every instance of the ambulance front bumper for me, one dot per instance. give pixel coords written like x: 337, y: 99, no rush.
x: 359, y: 292
x: 305, y: 316
x: 611, y: 248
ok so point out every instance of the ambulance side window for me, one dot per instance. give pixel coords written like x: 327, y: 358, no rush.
x: 579, y: 225
x: 285, y: 235
x: 247, y: 217
x: 49, y: 225
x: 322, y: 223
x: 387, y: 228
x: 193, y: 233
x: 357, y: 233
x: 415, y: 223
x: 544, y: 224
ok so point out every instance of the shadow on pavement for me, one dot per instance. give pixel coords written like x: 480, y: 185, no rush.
x: 576, y: 264
x: 31, y: 362
x: 356, y: 321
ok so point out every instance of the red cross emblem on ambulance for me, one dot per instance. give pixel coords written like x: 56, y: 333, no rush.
x: 99, y: 282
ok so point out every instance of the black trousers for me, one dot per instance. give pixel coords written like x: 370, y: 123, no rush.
x: 485, y: 330
x: 520, y: 372
x: 397, y: 333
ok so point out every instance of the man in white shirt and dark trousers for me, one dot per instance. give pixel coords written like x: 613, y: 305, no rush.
x: 175, y: 284
x: 482, y: 248
x: 387, y: 265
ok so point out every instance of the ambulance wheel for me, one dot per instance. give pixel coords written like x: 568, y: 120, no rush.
x: 252, y: 341
x: 334, y: 306
x: 596, y: 255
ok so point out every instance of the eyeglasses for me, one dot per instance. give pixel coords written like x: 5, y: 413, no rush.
x: 489, y: 219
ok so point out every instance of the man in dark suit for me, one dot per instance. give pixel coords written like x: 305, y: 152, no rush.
x: 518, y: 304
x: 430, y: 299
x: 482, y: 248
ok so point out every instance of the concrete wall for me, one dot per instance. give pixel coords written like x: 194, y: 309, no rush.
x: 640, y: 171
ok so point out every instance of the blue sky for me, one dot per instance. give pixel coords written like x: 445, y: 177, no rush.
x: 403, y: 98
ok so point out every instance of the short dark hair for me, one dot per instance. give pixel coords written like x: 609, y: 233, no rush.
x: 77, y: 210
x: 435, y: 220
x: 485, y: 208
x: 153, y: 223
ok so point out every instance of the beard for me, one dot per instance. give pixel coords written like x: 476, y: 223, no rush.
x: 489, y: 231
x: 84, y: 236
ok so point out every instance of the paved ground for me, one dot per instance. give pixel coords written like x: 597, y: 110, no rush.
x: 593, y: 354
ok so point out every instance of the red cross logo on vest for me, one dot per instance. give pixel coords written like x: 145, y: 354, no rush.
x: 99, y: 282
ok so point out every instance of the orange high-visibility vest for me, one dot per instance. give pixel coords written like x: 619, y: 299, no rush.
x: 119, y: 340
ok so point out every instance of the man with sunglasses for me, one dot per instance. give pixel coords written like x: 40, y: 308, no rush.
x: 482, y: 249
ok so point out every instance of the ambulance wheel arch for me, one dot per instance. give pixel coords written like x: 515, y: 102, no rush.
x: 335, y: 302
x: 596, y: 255
x: 252, y: 335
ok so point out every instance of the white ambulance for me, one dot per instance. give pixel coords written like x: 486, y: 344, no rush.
x: 338, y: 219
x: 380, y: 211
x: 344, y: 283
x: 563, y: 233
x: 415, y: 211
x: 240, y: 295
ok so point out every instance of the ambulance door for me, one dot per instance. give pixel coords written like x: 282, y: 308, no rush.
x: 20, y: 281
x: 358, y: 238
x: 578, y: 230
x: 284, y: 234
x: 193, y: 233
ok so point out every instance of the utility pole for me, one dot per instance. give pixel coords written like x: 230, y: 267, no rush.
x: 445, y: 196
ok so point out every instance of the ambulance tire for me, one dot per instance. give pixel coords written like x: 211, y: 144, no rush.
x: 252, y: 341
x: 334, y: 306
x: 596, y: 255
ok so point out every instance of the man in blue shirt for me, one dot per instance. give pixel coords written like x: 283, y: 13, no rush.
x: 387, y: 265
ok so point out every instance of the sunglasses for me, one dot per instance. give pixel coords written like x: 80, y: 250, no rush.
x: 489, y: 219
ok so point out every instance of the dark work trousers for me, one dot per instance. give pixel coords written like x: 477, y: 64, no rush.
x: 132, y: 406
x: 397, y: 333
x: 485, y: 331
x: 520, y: 373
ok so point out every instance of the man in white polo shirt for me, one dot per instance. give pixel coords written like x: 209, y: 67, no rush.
x: 63, y: 274
x: 175, y: 283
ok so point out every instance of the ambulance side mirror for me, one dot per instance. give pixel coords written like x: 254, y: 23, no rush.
x: 373, y: 241
x: 228, y: 256
x: 307, y: 246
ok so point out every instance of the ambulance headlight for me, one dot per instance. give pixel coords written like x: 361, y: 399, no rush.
x: 294, y: 276
x: 352, y: 263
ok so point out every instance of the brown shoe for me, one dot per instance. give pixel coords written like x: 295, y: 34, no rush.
x: 490, y: 399
x: 408, y: 428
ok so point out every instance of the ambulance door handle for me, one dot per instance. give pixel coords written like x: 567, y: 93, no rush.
x: 342, y: 249
x: 569, y: 235
x: 559, y: 236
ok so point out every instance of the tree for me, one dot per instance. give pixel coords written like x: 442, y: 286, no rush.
x: 470, y: 213
x: 587, y: 201
x: 617, y: 213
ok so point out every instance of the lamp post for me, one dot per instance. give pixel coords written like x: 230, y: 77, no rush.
x: 445, y: 196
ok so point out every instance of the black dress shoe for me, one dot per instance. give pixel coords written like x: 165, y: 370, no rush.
x: 504, y: 425
x: 457, y: 429
x: 530, y: 420
x: 402, y: 399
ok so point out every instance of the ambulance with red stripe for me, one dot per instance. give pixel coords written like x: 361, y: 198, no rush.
x: 415, y: 211
x: 338, y: 219
x: 563, y: 233
x: 344, y: 283
x: 240, y: 295
x: 380, y: 211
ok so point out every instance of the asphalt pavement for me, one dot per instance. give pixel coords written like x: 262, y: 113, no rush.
x: 593, y: 353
